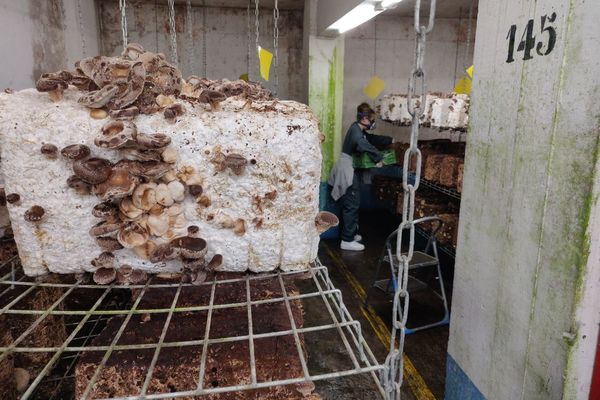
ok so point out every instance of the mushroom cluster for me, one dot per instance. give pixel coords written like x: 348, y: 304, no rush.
x: 140, y: 195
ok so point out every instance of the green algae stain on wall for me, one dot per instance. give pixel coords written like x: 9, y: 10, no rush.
x: 326, y: 77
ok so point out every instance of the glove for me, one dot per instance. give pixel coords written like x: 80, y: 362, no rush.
x: 379, y: 164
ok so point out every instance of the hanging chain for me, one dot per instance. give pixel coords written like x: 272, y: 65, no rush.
x: 392, y: 375
x: 468, y: 49
x: 191, y: 56
x: 276, y: 44
x: 81, y: 31
x: 256, y: 24
x: 123, y: 8
x: 248, y: 39
x: 204, y: 31
x: 375, y: 49
x: 173, y: 32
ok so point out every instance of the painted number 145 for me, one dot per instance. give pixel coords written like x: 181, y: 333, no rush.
x: 528, y: 43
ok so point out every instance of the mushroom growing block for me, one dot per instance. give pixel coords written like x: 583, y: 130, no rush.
x: 225, y: 163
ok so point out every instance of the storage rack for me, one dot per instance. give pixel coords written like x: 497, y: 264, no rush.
x: 85, y: 324
x: 441, y: 189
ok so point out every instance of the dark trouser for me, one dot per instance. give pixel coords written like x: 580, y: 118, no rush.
x: 350, y: 203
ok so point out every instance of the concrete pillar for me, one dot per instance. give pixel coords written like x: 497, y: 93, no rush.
x: 325, y: 59
x: 525, y: 308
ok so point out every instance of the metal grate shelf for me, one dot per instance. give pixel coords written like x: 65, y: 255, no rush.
x: 84, y: 323
x: 441, y: 189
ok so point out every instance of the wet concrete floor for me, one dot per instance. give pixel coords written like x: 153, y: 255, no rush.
x: 353, y: 273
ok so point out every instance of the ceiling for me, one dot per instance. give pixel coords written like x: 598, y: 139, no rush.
x: 444, y: 8
x: 282, y: 4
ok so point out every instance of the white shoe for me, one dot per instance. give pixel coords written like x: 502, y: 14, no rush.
x: 352, y: 246
x: 357, y: 238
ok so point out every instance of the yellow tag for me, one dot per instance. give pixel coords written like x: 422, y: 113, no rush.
x: 265, y: 57
x: 374, y: 87
x: 244, y: 77
x: 470, y: 72
x: 463, y: 86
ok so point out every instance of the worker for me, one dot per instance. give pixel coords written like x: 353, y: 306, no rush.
x: 345, y: 180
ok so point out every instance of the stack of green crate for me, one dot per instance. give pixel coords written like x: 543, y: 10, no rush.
x: 364, y: 161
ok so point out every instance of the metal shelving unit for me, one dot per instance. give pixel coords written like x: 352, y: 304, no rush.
x: 85, y: 323
x: 442, y: 189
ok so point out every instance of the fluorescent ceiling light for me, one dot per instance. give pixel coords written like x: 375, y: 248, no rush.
x: 390, y: 3
x: 358, y: 15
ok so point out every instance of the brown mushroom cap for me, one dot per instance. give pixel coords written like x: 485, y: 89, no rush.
x: 49, y: 150
x: 93, y: 170
x: 104, y: 276
x: 132, y: 235
x: 193, y: 231
x: 125, y: 113
x: 123, y: 274
x: 117, y: 134
x: 195, y: 190
x: 164, y: 252
x: 106, y: 259
x: 13, y: 198
x: 190, y: 264
x: 215, y: 262
x: 198, y: 277
x: 75, y: 151
x: 138, y: 276
x: 236, y: 162
x: 119, y: 184
x: 325, y: 220
x: 153, y: 141
x: 105, y: 209
x: 190, y: 247
x: 108, y: 243
x: 211, y: 97
x: 99, y: 98
x: 151, y: 169
x: 53, y: 81
x: 34, y: 214
x: 104, y: 228
x: 81, y: 187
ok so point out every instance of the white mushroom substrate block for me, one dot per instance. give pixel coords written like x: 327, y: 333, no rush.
x: 279, y: 138
x: 443, y: 111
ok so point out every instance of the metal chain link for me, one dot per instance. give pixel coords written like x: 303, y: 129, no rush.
x: 276, y: 44
x: 123, y: 8
x: 468, y: 49
x: 191, y: 55
x: 204, y: 31
x: 392, y: 375
x: 248, y: 39
x: 81, y: 31
x: 173, y: 32
x: 256, y: 24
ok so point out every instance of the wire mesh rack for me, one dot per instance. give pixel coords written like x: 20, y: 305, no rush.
x: 441, y: 189
x: 166, y: 339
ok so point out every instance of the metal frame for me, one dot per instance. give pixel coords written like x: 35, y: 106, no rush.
x: 442, y: 189
x: 388, y: 256
x: 347, y: 329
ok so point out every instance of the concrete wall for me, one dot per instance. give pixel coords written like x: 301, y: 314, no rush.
x: 525, y: 309
x: 226, y: 41
x: 40, y: 36
x: 385, y: 46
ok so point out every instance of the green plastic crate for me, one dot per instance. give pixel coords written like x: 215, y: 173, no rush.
x: 364, y: 161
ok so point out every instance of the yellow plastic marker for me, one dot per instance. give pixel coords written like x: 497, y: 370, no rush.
x: 470, y: 72
x: 244, y: 77
x: 464, y: 84
x: 374, y: 87
x: 265, y: 57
